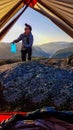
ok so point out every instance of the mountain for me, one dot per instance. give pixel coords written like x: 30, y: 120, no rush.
x: 37, y: 51
x: 46, y: 50
x: 63, y: 53
x: 53, y: 47
x: 5, y: 51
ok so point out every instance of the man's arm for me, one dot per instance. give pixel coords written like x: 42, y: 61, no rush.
x: 31, y: 41
x: 18, y: 39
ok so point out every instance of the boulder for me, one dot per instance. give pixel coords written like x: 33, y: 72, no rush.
x: 36, y: 84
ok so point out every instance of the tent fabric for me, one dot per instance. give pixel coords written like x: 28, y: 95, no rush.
x: 7, y: 28
x: 58, y: 11
x: 43, y: 124
x: 42, y: 119
x: 8, y: 10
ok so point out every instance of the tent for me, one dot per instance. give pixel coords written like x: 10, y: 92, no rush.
x: 48, y: 118
x: 58, y: 11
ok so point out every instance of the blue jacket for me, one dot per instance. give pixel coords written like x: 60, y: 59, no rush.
x: 27, y: 41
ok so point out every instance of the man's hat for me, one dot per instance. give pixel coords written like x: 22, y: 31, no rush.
x: 27, y: 25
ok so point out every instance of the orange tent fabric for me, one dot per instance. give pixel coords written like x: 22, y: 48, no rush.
x: 58, y: 11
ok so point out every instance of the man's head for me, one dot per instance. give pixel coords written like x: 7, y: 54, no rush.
x: 28, y: 29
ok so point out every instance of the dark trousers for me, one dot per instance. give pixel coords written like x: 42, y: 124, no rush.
x: 25, y: 52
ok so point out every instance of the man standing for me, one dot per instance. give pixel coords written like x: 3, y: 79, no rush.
x: 27, y: 42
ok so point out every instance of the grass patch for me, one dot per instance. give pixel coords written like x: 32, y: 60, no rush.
x: 8, y: 61
x: 11, y: 61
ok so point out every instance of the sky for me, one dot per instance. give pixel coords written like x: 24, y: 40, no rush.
x: 44, y: 30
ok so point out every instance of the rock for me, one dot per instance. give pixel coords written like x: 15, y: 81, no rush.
x: 38, y: 83
x: 70, y: 59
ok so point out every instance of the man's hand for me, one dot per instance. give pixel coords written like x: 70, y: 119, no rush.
x: 12, y: 43
x: 23, y: 48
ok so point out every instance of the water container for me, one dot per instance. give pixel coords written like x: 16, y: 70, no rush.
x: 13, y: 48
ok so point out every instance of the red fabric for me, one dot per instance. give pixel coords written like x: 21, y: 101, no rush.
x: 33, y: 2
x: 6, y: 116
x: 50, y: 123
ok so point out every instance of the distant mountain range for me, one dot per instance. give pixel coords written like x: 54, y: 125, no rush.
x: 53, y: 47
x: 45, y: 50
x: 63, y: 53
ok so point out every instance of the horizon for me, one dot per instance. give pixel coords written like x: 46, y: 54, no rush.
x: 56, y: 42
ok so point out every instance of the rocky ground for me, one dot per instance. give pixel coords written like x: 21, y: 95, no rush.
x: 35, y: 84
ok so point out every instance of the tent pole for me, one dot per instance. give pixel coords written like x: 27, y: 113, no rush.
x: 8, y: 27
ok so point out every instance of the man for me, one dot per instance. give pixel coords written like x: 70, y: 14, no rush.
x: 27, y: 42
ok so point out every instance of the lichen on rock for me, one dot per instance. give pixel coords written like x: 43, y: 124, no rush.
x: 37, y: 84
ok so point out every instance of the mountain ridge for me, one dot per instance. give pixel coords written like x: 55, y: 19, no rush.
x: 63, y: 53
x: 46, y: 50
